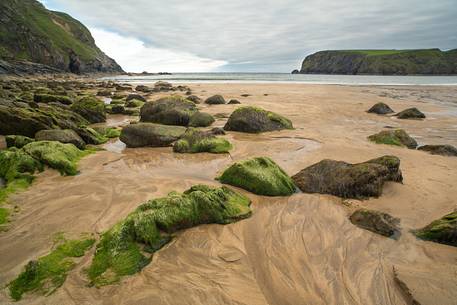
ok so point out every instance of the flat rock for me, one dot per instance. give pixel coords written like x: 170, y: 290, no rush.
x: 443, y: 150
x: 376, y: 221
x: 150, y: 134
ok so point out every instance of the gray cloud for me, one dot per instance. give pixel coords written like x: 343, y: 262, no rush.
x: 267, y: 35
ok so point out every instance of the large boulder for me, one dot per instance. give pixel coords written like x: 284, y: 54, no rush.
x: 377, y: 222
x: 380, y: 108
x: 194, y: 141
x: 150, y: 134
x: 215, y: 100
x: 90, y: 135
x: 91, y: 108
x: 62, y: 136
x: 411, y: 113
x: 397, y: 137
x: 261, y: 176
x: 443, y: 230
x: 346, y: 180
x: 27, y: 121
x: 254, y: 120
x: 443, y: 150
x: 172, y: 110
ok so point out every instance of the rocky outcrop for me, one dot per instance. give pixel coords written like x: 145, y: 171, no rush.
x: 375, y: 221
x: 346, y: 180
x: 255, y: 120
x: 397, y: 137
x: 91, y: 108
x: 261, y: 176
x: 150, y: 134
x: 382, y: 62
x: 36, y: 40
x: 443, y: 150
x: 380, y: 108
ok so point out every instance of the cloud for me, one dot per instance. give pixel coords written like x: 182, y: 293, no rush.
x: 271, y: 35
x: 134, y: 56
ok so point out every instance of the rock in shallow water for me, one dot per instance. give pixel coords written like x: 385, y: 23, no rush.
x: 377, y: 222
x: 150, y: 134
x: 346, y: 180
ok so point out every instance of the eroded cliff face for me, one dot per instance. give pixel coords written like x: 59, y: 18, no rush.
x: 382, y: 62
x: 29, y: 33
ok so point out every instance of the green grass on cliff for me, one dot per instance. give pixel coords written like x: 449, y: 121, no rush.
x: 392, y: 52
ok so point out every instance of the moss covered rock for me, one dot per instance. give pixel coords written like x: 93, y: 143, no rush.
x: 443, y: 150
x: 91, y: 136
x: 59, y: 156
x: 346, y: 180
x: 108, y: 132
x: 134, y: 103
x: 380, y: 108
x: 17, y: 164
x: 215, y: 100
x: 443, y: 230
x: 50, y: 98
x: 411, y: 113
x: 150, y: 134
x: 171, y: 110
x: 397, y: 137
x: 261, y: 176
x: 201, y: 119
x: 121, y: 250
x: 137, y: 97
x: 49, y: 272
x: 376, y: 221
x: 62, y: 136
x: 17, y: 141
x: 194, y: 141
x: 91, y: 108
x: 254, y: 120
x: 195, y: 99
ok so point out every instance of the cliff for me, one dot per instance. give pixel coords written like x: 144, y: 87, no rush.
x: 382, y: 62
x: 36, y: 40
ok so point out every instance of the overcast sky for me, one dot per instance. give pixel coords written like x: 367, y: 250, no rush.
x: 256, y: 35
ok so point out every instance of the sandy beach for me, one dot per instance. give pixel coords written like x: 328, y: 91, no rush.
x: 293, y: 250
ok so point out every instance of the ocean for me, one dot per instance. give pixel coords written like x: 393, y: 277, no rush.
x: 290, y: 78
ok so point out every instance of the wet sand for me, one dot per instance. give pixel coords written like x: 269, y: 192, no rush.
x: 293, y: 250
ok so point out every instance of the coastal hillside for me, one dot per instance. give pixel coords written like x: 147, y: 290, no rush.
x: 382, y: 62
x: 34, y: 39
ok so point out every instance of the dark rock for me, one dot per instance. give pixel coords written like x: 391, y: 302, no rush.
x: 172, y: 110
x: 104, y: 93
x: 377, y: 222
x: 443, y: 150
x: 135, y: 97
x: 245, y: 95
x: 346, y: 180
x: 194, y: 99
x: 234, y: 101
x: 380, y: 108
x: 61, y: 135
x: 443, y: 230
x: 163, y: 86
x: 215, y: 100
x: 195, y: 141
x: 217, y: 131
x: 149, y: 134
x: 295, y: 71
x: 48, y: 98
x: 410, y: 113
x: 201, y: 119
x: 90, y: 108
x: 143, y: 88
x: 397, y: 137
x: 90, y: 136
x: 254, y: 120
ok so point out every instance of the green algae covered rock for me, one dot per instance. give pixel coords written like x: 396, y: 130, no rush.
x: 397, y: 137
x: 194, y: 141
x: 108, y: 132
x: 201, y: 119
x: 347, y: 180
x: 59, y: 156
x: 261, y: 176
x: 17, y: 141
x: 62, y: 136
x: 91, y: 136
x: 49, y: 272
x: 17, y: 164
x: 171, y: 110
x: 121, y: 250
x: 255, y: 120
x: 150, y: 134
x: 90, y: 108
x: 50, y: 98
x: 443, y: 230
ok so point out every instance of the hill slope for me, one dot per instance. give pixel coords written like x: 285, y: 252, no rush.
x: 383, y: 62
x: 31, y: 33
